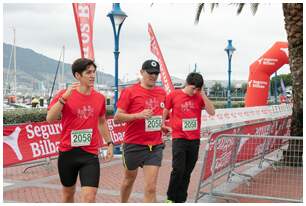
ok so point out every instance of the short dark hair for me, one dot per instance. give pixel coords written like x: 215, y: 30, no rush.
x: 81, y: 64
x: 195, y: 79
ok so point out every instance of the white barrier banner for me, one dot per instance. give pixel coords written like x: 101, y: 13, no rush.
x: 237, y: 115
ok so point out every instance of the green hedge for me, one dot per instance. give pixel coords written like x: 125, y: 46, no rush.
x: 18, y: 116
x: 223, y: 104
x: 233, y: 99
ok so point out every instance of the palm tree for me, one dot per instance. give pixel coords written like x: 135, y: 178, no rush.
x: 293, y: 17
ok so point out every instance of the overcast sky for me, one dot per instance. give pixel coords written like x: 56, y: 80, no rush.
x: 45, y: 28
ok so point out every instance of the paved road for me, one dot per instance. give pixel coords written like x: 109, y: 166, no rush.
x: 41, y: 184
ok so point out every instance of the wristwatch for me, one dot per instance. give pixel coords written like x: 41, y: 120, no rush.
x: 62, y: 101
x: 110, y: 142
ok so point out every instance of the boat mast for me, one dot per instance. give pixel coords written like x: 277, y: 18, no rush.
x: 14, y: 63
x: 8, y: 76
x: 63, y: 67
x: 57, y: 70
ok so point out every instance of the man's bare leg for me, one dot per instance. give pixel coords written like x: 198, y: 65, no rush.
x: 88, y: 194
x: 68, y: 194
x: 127, y: 184
x: 150, y: 178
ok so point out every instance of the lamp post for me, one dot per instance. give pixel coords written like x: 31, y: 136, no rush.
x: 229, y: 50
x: 117, y: 17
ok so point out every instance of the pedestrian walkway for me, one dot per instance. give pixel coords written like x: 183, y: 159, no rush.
x: 41, y: 184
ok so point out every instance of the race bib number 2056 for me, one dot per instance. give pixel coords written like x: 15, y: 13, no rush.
x: 81, y: 137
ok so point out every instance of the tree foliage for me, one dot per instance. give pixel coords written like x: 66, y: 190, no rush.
x: 287, y: 78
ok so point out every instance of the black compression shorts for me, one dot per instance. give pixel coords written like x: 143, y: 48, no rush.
x: 77, y: 161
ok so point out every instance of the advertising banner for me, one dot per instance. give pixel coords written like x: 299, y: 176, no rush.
x: 27, y: 142
x: 225, y: 152
x: 236, y: 115
x: 234, y: 150
x: 251, y: 147
x: 31, y: 141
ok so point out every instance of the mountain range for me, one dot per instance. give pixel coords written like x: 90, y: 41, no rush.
x: 36, y: 71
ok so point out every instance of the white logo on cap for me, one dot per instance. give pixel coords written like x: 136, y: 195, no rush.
x: 153, y: 64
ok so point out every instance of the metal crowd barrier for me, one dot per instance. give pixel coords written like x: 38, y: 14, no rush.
x: 46, y: 162
x: 266, y: 175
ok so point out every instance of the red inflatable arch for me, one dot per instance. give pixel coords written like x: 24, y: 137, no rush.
x: 260, y: 72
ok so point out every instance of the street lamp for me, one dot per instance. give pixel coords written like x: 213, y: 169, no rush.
x: 117, y: 17
x: 229, y: 50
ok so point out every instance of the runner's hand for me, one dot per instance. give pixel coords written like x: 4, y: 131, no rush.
x: 73, y: 86
x: 145, y: 114
x: 109, y: 154
x: 165, y: 129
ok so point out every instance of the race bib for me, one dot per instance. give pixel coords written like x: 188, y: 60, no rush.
x: 153, y: 124
x: 81, y: 137
x: 189, y: 124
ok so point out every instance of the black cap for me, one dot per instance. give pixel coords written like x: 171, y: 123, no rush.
x: 151, y: 66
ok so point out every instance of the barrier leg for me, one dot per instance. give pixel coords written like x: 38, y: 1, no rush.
x: 46, y: 162
x: 247, y: 178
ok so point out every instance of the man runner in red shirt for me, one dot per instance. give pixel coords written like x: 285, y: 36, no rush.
x: 185, y: 119
x: 83, y: 122
x: 141, y: 106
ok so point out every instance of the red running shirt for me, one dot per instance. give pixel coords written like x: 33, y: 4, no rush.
x: 81, y: 113
x: 135, y: 99
x: 185, y: 118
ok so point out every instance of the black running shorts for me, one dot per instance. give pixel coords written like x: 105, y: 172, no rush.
x: 78, y: 161
x: 135, y: 155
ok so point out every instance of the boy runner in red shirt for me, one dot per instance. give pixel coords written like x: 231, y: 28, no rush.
x: 185, y: 119
x: 141, y: 106
x: 83, y: 121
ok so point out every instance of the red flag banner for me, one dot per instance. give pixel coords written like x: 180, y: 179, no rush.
x: 84, y: 16
x: 165, y: 77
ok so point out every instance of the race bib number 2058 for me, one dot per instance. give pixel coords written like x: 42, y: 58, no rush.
x: 81, y: 137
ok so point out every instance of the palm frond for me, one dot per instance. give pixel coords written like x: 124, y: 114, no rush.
x: 213, y: 6
x: 240, y: 8
x: 200, y: 8
x: 254, y: 8
x: 198, y: 14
